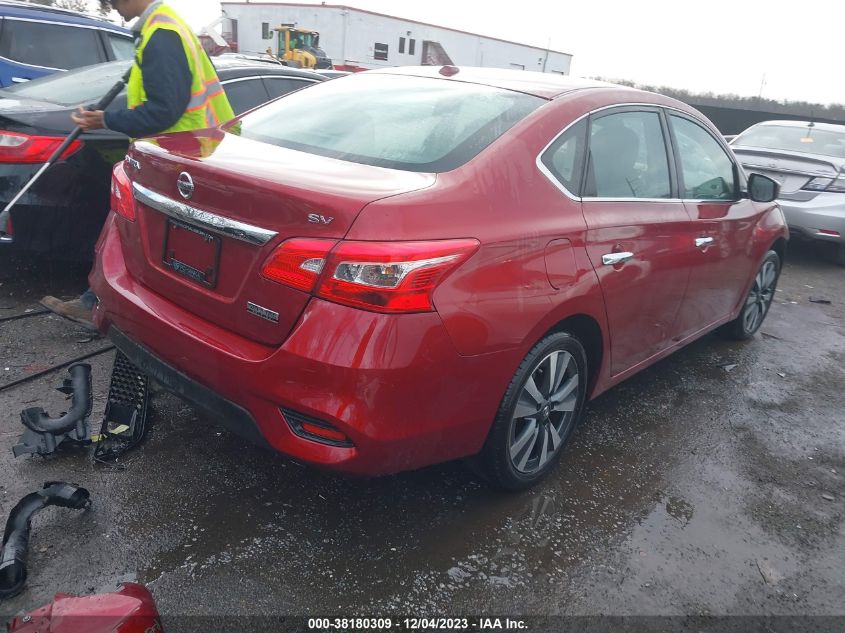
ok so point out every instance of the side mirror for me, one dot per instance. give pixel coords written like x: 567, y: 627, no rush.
x: 762, y: 188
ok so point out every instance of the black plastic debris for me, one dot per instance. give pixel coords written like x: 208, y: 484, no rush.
x: 16, y: 537
x: 43, y: 434
x: 821, y: 300
x: 125, y: 419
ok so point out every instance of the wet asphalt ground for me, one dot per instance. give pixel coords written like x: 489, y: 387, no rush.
x: 712, y: 483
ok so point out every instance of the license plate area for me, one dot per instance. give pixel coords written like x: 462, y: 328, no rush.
x: 191, y: 253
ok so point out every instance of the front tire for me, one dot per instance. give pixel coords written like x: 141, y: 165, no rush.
x: 758, y: 301
x: 538, y: 413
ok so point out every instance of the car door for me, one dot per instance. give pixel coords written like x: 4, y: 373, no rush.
x: 723, y: 219
x: 637, y: 229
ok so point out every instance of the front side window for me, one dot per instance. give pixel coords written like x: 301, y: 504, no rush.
x: 706, y: 170
x: 50, y: 45
x: 627, y: 157
x: 411, y: 123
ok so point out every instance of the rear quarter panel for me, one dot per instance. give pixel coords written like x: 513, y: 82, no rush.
x: 531, y: 270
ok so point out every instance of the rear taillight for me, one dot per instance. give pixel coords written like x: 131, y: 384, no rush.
x: 122, y: 201
x: 16, y: 147
x: 391, y: 276
x: 298, y: 262
x: 388, y: 277
x: 836, y: 185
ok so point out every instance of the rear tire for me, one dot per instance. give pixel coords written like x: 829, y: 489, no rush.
x: 758, y: 301
x: 538, y: 413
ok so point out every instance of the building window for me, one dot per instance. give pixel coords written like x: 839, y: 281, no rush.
x: 411, y: 46
x: 265, y: 31
x: 518, y: 66
x: 401, y: 44
x: 380, y: 52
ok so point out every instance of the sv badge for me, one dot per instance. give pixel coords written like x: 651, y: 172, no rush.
x: 314, y: 218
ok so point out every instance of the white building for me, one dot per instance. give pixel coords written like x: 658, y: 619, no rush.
x: 373, y: 40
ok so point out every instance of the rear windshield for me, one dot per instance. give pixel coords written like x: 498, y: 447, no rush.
x: 74, y: 87
x: 808, y: 140
x: 409, y: 123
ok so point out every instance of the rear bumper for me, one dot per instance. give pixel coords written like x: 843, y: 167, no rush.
x: 394, y: 384
x: 235, y: 418
x: 825, y: 212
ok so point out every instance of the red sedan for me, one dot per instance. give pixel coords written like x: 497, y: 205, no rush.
x: 410, y: 266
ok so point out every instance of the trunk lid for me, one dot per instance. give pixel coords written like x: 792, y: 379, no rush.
x: 267, y: 194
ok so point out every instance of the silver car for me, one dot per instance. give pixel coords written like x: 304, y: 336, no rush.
x: 808, y: 160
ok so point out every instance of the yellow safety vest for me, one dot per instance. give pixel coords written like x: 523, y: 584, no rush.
x: 209, y: 106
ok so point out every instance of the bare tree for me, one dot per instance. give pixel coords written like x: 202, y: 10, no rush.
x: 835, y: 111
x: 83, y: 6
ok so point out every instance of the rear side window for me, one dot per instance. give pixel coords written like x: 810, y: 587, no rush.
x: 706, y: 170
x: 50, y: 45
x: 400, y: 122
x: 121, y: 47
x: 628, y: 157
x: 278, y: 86
x: 245, y: 94
x: 563, y: 158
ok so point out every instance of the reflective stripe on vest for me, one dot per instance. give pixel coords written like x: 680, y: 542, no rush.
x: 208, y: 105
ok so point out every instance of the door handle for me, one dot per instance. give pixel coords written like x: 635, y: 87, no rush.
x: 612, y: 259
x: 701, y: 242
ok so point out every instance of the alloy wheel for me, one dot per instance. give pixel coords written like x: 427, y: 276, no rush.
x: 760, y: 297
x: 544, y: 413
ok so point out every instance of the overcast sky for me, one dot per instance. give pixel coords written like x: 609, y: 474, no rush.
x: 711, y: 45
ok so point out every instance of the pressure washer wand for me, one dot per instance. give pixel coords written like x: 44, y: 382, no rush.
x: 102, y: 104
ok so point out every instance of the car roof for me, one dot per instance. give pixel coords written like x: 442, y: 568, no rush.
x: 830, y: 127
x: 235, y: 67
x: 546, y: 85
x: 16, y: 9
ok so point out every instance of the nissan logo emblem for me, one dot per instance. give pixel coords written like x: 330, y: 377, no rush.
x: 185, y: 184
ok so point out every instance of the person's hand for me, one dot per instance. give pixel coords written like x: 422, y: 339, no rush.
x: 88, y: 120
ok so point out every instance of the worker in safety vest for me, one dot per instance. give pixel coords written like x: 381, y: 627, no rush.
x: 172, y: 87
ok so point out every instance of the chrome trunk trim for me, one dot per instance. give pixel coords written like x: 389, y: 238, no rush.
x: 203, y: 219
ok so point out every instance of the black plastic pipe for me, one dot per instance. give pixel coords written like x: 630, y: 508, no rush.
x: 79, y: 387
x: 16, y: 537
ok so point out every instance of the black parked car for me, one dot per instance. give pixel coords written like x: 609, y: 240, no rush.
x: 63, y: 213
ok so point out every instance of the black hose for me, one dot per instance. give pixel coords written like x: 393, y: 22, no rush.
x: 16, y: 537
x: 79, y: 386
